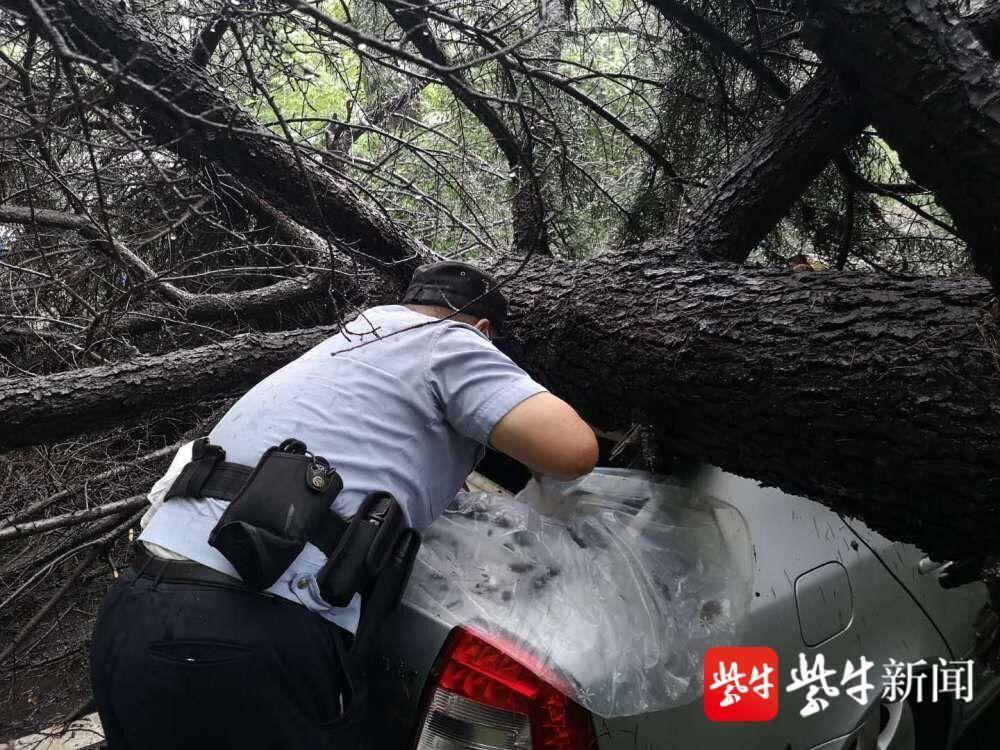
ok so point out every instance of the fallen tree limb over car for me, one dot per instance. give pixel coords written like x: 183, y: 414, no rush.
x: 878, y: 396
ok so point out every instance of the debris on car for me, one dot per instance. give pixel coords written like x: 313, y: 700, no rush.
x: 615, y: 583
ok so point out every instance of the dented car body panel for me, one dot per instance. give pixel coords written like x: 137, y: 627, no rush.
x: 823, y: 585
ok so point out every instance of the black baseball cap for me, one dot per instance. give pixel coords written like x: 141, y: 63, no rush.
x: 458, y: 286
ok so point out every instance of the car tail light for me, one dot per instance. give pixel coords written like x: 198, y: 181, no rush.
x: 485, y: 695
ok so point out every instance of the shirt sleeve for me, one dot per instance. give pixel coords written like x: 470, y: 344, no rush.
x: 474, y: 382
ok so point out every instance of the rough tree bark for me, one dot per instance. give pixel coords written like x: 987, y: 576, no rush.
x: 879, y: 397
x: 183, y: 108
x: 875, y: 396
x: 931, y: 90
x: 892, y: 384
x: 98, y: 397
x: 741, y: 208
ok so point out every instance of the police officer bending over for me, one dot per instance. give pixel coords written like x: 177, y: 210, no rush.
x: 274, y: 543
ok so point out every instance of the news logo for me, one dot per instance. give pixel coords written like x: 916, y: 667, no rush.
x: 742, y: 682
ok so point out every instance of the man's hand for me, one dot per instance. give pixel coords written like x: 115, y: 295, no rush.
x: 546, y: 434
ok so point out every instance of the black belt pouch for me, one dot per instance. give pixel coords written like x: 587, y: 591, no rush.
x: 286, y: 499
x: 363, y: 550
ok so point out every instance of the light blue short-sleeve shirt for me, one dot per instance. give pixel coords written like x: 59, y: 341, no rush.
x: 397, y: 401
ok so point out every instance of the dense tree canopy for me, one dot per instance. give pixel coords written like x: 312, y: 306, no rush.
x: 750, y: 228
x: 613, y: 121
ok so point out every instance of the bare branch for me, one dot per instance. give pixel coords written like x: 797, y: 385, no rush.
x: 72, y: 519
x: 685, y: 16
x: 186, y: 110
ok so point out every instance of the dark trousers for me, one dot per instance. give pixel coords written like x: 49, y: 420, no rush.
x: 190, y: 665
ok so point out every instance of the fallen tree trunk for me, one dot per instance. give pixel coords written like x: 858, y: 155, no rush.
x: 756, y: 191
x: 184, y: 109
x: 874, y: 395
x: 81, y: 400
x: 880, y: 397
x: 931, y: 89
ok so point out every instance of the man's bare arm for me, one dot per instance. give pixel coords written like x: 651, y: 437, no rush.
x: 546, y: 434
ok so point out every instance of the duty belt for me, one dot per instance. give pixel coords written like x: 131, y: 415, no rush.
x: 224, y: 480
x: 285, y: 501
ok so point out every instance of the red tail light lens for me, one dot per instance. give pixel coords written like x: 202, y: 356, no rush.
x: 484, y: 694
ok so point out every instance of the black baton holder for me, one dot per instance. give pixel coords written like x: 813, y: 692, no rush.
x: 385, y: 594
x: 377, y: 604
x: 363, y: 550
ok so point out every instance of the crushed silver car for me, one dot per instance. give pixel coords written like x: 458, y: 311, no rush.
x: 505, y: 618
